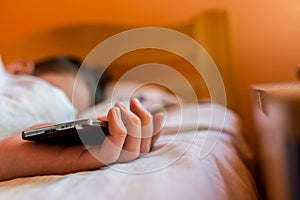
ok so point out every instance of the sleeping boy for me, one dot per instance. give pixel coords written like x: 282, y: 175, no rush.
x: 27, y: 100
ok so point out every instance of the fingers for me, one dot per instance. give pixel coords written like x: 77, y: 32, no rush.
x: 131, y: 147
x: 146, y: 123
x: 132, y: 133
x: 158, y: 123
x: 110, y: 150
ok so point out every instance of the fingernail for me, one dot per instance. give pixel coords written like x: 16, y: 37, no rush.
x: 116, y: 112
x: 123, y: 106
x: 117, y: 115
x: 136, y: 100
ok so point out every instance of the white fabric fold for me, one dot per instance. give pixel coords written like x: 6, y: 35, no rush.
x: 26, y: 101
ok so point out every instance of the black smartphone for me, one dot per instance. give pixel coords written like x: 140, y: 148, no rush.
x: 87, y: 131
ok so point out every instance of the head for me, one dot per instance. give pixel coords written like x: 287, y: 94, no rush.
x: 61, y: 72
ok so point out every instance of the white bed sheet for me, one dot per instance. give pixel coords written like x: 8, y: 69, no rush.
x: 181, y: 166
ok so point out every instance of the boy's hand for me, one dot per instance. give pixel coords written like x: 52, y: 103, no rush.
x: 132, y: 133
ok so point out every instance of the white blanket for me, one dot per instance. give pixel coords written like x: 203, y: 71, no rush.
x: 26, y: 101
x: 202, y: 159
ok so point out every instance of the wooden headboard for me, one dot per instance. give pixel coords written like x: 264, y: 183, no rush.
x: 211, y: 29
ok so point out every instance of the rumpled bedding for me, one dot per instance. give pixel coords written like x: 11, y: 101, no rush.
x: 200, y: 155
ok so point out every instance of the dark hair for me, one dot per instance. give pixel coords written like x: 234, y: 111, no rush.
x: 71, y: 65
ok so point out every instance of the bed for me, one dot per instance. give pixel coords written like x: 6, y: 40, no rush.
x: 201, y: 154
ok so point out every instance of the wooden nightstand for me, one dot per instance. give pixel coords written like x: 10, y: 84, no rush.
x: 276, y: 110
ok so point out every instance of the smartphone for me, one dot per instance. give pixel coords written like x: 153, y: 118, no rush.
x: 87, y: 131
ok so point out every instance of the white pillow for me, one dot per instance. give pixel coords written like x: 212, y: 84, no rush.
x: 151, y: 96
x: 26, y: 101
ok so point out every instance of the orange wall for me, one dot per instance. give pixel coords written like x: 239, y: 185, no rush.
x: 267, y: 47
x: 20, y: 18
x: 266, y: 33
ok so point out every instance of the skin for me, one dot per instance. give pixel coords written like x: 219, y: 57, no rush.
x: 132, y: 133
x: 81, y: 99
x: 20, y: 66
